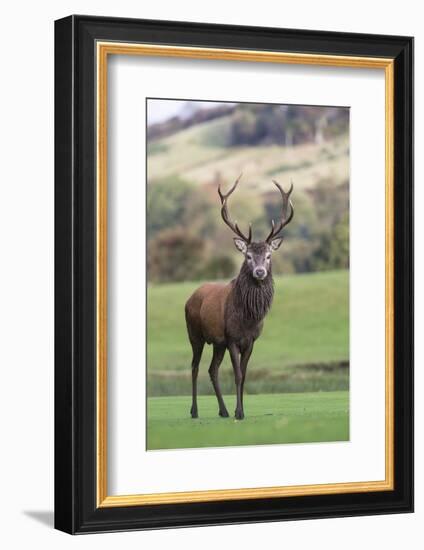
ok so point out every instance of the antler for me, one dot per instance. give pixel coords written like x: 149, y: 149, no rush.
x: 225, y: 216
x: 285, y: 219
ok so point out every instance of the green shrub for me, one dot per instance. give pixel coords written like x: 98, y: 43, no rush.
x: 219, y: 267
x: 175, y: 255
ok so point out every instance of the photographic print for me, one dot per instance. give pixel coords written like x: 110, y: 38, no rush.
x: 220, y: 298
x: 247, y: 273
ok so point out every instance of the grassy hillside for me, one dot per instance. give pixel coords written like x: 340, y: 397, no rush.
x: 198, y: 153
x: 277, y: 418
x: 304, y: 345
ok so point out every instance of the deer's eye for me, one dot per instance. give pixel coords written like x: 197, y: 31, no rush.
x: 249, y: 256
x: 268, y: 257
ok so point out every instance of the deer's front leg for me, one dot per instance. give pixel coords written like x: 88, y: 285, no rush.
x: 238, y: 377
x: 244, y: 359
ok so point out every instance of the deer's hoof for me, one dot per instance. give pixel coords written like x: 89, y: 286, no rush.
x: 194, y: 413
x: 239, y: 415
x: 224, y: 414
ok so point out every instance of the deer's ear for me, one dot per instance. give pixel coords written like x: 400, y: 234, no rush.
x: 276, y: 243
x: 240, y: 245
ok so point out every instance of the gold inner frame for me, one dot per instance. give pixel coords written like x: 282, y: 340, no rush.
x: 104, y: 49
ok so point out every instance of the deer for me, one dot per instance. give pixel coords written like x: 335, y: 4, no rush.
x: 230, y: 316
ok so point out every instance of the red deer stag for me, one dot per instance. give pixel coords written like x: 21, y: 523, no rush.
x: 230, y: 315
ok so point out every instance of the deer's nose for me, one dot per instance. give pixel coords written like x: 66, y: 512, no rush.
x: 259, y: 273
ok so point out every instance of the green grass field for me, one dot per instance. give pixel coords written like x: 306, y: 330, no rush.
x: 304, y: 345
x: 297, y: 381
x: 270, y: 419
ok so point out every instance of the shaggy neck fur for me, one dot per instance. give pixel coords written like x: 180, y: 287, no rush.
x: 253, y: 297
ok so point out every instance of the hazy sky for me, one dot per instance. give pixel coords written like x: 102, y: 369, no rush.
x: 159, y: 110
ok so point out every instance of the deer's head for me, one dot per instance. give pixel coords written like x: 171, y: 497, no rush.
x: 258, y: 254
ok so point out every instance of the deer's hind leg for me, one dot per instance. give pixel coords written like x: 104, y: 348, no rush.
x: 217, y: 357
x: 197, y: 345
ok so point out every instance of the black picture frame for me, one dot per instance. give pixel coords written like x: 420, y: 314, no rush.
x: 76, y: 510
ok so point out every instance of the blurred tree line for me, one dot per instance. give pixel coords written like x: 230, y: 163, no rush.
x: 262, y: 124
x: 187, y: 239
x: 286, y: 124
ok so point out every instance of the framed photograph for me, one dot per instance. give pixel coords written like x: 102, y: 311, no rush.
x: 234, y: 274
